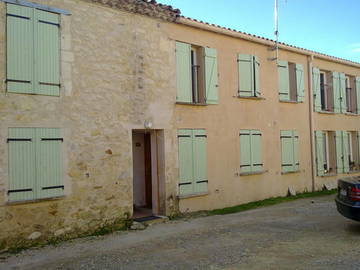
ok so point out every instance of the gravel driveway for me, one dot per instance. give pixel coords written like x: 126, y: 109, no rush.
x: 303, y: 234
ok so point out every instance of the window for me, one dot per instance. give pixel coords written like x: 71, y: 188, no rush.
x: 291, y: 81
x: 35, y: 163
x: 333, y: 92
x: 354, y: 151
x: 33, y: 51
x: 325, y: 152
x: 250, y: 151
x: 357, y: 93
x: 289, y: 151
x: 248, y: 68
x: 196, y: 74
x: 192, y: 161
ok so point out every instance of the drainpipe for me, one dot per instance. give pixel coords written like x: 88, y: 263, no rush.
x: 311, y: 121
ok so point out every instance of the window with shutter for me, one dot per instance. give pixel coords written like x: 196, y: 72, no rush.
x: 33, y: 51
x: 289, y: 151
x: 357, y: 86
x: 250, y: 151
x: 291, y: 81
x: 196, y: 74
x: 35, y: 163
x: 192, y: 161
x: 248, y: 70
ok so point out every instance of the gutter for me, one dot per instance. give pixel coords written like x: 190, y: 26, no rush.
x: 267, y: 42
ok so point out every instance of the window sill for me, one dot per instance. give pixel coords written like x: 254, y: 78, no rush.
x: 35, y: 200
x: 290, y: 101
x: 252, y: 173
x: 251, y: 98
x: 351, y: 114
x: 193, y: 104
x: 353, y: 172
x: 193, y: 195
x: 329, y: 174
x: 298, y: 171
x: 326, y: 112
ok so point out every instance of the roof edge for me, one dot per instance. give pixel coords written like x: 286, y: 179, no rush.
x: 262, y: 40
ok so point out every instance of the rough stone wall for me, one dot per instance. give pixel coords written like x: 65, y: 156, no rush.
x: 114, y: 72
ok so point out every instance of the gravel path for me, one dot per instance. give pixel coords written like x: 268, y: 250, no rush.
x: 303, y: 234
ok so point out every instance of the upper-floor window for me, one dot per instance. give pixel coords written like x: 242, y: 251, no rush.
x: 196, y: 74
x: 351, y: 99
x: 249, y: 82
x: 326, y: 92
x: 291, y: 81
x: 33, y: 51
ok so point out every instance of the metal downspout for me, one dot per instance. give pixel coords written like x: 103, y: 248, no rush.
x: 311, y: 120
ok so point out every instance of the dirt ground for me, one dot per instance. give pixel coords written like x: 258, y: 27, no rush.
x: 302, y: 234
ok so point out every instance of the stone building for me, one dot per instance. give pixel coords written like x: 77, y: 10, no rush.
x: 113, y: 109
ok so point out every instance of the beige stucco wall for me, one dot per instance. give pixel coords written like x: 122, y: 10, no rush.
x: 223, y: 122
x: 114, y: 77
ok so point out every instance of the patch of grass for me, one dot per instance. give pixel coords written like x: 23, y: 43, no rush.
x: 268, y: 202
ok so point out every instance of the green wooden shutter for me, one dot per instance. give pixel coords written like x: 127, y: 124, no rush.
x: 358, y: 145
x: 284, y: 84
x: 47, y: 53
x: 211, y: 76
x: 245, y: 151
x: 22, y: 174
x: 246, y: 75
x: 287, y: 151
x: 255, y: 150
x: 300, y: 88
x: 357, y: 85
x: 339, y: 152
x: 49, y: 162
x: 296, y: 162
x: 186, y: 160
x: 316, y: 89
x: 345, y: 147
x: 336, y: 92
x: 342, y: 88
x: 183, y: 72
x: 257, y: 76
x: 319, y: 143
x: 200, y: 171
x: 20, y: 58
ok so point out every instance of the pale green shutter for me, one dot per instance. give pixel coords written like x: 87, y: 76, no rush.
x: 358, y: 145
x: 287, y: 151
x: 342, y: 85
x: 339, y: 152
x: 319, y: 143
x: 200, y: 171
x: 284, y: 84
x: 49, y: 162
x: 357, y: 85
x: 296, y: 162
x: 19, y: 58
x: 246, y: 75
x: 186, y: 175
x: 300, y: 89
x: 245, y: 151
x: 47, y: 53
x: 345, y: 146
x: 316, y: 89
x: 257, y: 76
x: 183, y: 72
x: 336, y: 91
x: 22, y: 174
x: 211, y: 76
x: 255, y: 146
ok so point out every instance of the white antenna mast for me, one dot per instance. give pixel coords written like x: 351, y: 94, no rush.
x: 276, y: 18
x: 276, y: 31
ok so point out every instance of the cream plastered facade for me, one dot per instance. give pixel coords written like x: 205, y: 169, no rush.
x: 223, y: 121
x: 118, y: 71
x: 114, y: 77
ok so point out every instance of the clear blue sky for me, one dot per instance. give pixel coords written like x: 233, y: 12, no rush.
x: 326, y: 26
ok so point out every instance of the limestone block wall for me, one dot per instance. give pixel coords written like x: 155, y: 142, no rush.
x: 114, y: 76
